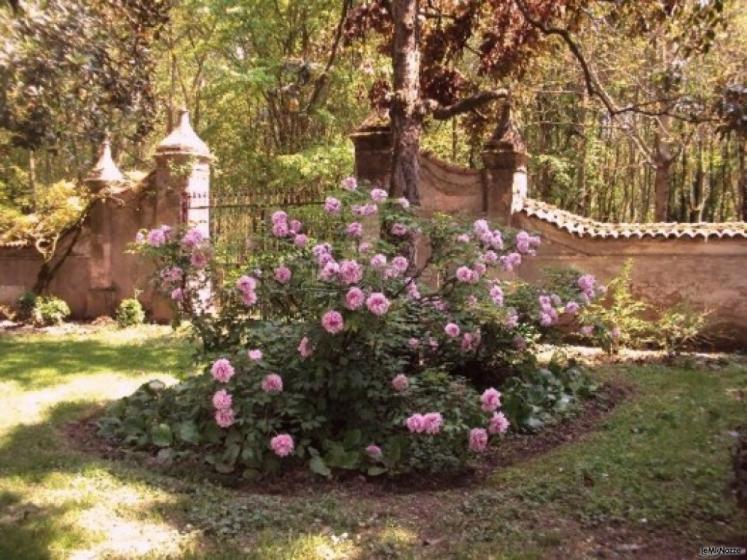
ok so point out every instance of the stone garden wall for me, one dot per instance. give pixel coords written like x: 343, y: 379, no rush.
x: 703, y: 265
x: 97, y: 272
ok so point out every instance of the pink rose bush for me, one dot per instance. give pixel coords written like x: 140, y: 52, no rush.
x: 347, y: 353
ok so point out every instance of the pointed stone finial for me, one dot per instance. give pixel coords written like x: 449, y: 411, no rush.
x: 183, y: 139
x: 105, y: 170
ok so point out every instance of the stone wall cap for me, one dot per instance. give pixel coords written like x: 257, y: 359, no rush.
x: 183, y: 139
x: 587, y: 227
x: 105, y: 170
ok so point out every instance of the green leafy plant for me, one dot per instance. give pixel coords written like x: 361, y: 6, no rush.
x: 543, y: 396
x: 679, y: 326
x: 50, y: 310
x: 617, y: 320
x: 130, y: 313
x: 337, y: 354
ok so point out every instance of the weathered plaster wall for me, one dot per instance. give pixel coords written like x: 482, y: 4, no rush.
x: 707, y: 271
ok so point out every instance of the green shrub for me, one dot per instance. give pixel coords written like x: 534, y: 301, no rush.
x: 26, y: 305
x: 336, y: 354
x: 50, y: 310
x: 679, y: 326
x: 130, y: 313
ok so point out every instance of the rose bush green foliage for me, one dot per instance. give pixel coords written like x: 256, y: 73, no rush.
x: 130, y: 313
x: 349, y: 353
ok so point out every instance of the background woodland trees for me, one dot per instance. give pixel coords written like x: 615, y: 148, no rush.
x: 274, y: 88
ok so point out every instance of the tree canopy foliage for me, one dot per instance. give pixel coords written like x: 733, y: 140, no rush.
x: 632, y: 110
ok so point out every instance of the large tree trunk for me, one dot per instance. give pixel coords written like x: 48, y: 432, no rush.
x: 743, y: 177
x: 663, y: 160
x: 405, y: 113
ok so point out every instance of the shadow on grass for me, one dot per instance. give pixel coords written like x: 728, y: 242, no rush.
x: 37, y: 363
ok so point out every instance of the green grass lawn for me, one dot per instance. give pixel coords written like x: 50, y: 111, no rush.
x: 652, y: 481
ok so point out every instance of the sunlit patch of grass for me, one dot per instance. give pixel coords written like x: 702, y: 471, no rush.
x: 662, y: 457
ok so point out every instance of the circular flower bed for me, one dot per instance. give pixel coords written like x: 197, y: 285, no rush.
x: 358, y: 352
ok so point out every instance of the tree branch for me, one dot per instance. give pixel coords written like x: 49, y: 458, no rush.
x: 465, y: 105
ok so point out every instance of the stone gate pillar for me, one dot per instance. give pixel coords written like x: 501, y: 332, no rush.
x: 183, y: 178
x: 182, y: 184
x: 505, y: 170
x: 104, y: 179
x: 373, y: 154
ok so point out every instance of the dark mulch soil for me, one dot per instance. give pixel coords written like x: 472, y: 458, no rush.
x: 82, y: 435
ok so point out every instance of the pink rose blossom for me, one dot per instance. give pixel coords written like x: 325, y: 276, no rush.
x: 172, y: 275
x: 364, y: 247
x: 403, y: 202
x: 433, y: 343
x: 399, y: 230
x: 222, y: 370
x: 496, y: 294
x: 470, y: 341
x: 512, y: 319
x: 432, y: 422
x: 282, y: 445
x: 300, y: 240
x: 249, y: 298
x: 246, y: 284
x: 379, y: 195
x: 192, y: 238
x: 480, y: 268
x: 279, y: 217
x: 572, y: 307
x: 464, y: 274
x: 280, y: 229
x: 139, y: 237
x: 412, y: 290
x: 304, y: 348
x: 490, y: 399
x: 329, y: 271
x: 295, y: 226
x: 452, y: 330
x: 255, y: 355
x: 369, y: 209
x: 349, y: 183
x: 378, y: 304
x: 272, y: 383
x: 177, y: 294
x: 156, y: 238
x: 415, y: 423
x: 222, y: 400
x: 510, y: 261
x: 587, y: 330
x: 400, y: 382
x: 498, y: 423
x: 374, y: 451
x: 478, y: 440
x: 490, y: 257
x: 355, y: 298
x: 350, y: 272
x: 332, y: 205
x: 413, y: 343
x: 332, y: 322
x: 378, y: 261
x: 224, y: 417
x: 519, y: 342
x: 199, y: 259
x: 480, y: 226
x: 463, y: 238
x: 354, y: 229
x: 400, y: 264
x: 283, y: 274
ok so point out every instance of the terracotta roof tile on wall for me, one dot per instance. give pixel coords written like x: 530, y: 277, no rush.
x: 586, y: 227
